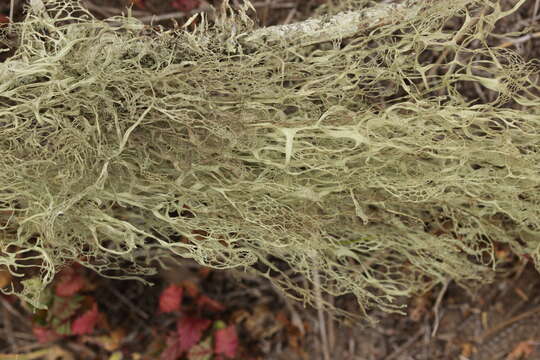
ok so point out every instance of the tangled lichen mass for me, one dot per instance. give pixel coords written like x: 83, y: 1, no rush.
x: 121, y: 145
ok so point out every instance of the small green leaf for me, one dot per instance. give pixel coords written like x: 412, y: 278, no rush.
x: 63, y: 328
x: 218, y: 325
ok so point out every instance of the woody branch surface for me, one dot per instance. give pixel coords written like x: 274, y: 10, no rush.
x: 336, y: 27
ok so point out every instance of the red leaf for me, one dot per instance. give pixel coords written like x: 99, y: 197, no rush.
x: 171, y: 351
x: 226, y: 342
x: 70, y: 282
x: 44, y: 335
x: 139, y: 3
x: 85, y: 323
x: 170, y: 299
x: 190, y: 331
x: 205, y: 302
x: 64, y: 308
x: 185, y: 5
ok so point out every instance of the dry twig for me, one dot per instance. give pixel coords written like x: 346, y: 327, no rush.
x: 437, y: 307
x: 519, y: 40
x: 320, y: 313
x: 404, y: 347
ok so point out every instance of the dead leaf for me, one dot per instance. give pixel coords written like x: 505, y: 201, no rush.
x: 240, y: 315
x: 467, y: 350
x: 419, y: 307
x: 5, y: 277
x: 522, y: 350
x: 294, y: 332
x: 110, y: 342
x: 262, y: 323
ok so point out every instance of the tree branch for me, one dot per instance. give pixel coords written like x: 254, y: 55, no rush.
x: 339, y: 26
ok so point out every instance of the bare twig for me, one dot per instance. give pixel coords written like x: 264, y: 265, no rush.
x: 351, y: 346
x: 499, y: 327
x: 437, y: 306
x: 174, y: 15
x: 404, y: 347
x: 8, y: 330
x: 331, y: 328
x: 22, y: 319
x: 39, y: 354
x: 154, y: 18
x: 82, y: 350
x: 128, y: 303
x: 285, y: 5
x: 320, y: 313
x: 519, y: 40
x: 11, y: 11
x: 266, y: 9
x: 289, y: 16
x: 480, y: 93
x: 30, y: 340
x: 535, y: 14
x: 110, y: 11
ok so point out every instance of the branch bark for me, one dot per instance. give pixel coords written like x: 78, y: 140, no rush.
x: 339, y: 26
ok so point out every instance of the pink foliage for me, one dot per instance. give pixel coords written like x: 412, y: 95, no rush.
x: 170, y: 299
x: 172, y: 351
x: 70, y: 282
x: 226, y: 342
x: 190, y: 331
x: 185, y: 5
x: 204, y: 302
x: 44, y: 334
x: 85, y: 323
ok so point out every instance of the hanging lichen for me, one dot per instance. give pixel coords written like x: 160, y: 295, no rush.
x: 357, y: 159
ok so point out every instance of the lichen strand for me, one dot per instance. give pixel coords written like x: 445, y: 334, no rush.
x: 123, y: 145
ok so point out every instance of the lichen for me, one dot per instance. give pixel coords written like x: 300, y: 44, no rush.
x: 121, y: 145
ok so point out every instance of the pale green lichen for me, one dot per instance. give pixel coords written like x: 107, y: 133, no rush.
x: 359, y: 160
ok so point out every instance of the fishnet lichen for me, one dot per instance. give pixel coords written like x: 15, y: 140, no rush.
x: 358, y: 159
